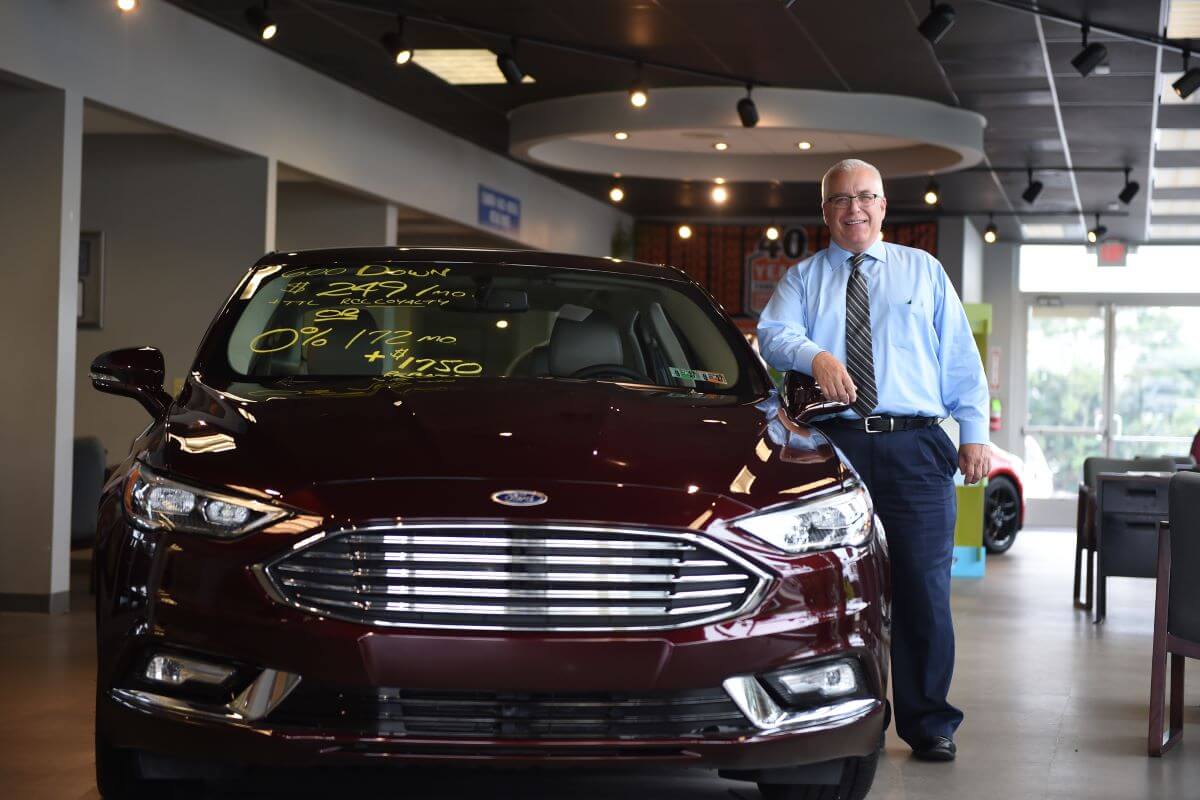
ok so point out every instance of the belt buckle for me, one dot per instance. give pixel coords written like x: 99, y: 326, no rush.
x: 867, y: 424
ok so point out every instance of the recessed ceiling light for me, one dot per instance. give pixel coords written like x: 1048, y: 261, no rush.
x: 719, y: 194
x: 620, y: 136
x: 720, y: 145
x: 804, y: 145
x: 463, y: 67
x: 1175, y: 231
x: 718, y: 181
x: 1183, y: 21
x: 1176, y: 177
x: 1044, y: 231
x: 1174, y: 207
x: 685, y: 231
x: 1178, y: 138
x: 127, y: 5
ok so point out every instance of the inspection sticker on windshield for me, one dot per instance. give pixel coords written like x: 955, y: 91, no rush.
x: 699, y: 375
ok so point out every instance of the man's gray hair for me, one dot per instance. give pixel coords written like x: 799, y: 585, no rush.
x: 847, y: 165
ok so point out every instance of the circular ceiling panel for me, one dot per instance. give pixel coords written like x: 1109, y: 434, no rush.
x: 695, y: 133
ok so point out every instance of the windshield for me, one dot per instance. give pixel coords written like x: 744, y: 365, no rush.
x: 420, y: 321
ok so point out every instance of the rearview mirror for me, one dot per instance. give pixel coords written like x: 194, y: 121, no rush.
x: 136, y: 372
x: 804, y: 400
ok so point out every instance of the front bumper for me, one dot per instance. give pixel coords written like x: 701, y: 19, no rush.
x: 203, y: 598
x: 851, y: 728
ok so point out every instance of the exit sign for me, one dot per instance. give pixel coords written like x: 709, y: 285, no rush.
x: 1111, y: 254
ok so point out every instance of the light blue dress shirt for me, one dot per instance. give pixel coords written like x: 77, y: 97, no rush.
x: 926, y: 362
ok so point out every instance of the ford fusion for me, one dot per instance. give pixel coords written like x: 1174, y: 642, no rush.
x: 502, y: 508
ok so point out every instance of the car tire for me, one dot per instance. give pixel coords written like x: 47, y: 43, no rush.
x: 118, y: 774
x: 857, y: 776
x: 1001, y: 515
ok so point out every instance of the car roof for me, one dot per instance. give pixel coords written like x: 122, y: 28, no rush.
x: 535, y: 258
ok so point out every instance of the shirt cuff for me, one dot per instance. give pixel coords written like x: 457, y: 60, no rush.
x: 805, y: 356
x: 973, y: 432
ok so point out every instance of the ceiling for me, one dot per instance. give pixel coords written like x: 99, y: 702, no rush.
x: 1010, y: 66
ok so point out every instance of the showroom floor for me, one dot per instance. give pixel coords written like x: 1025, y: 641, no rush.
x: 1055, y: 708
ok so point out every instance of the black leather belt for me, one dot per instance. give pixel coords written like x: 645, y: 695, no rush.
x: 881, y: 423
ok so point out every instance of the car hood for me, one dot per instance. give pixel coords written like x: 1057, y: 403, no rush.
x: 290, y: 438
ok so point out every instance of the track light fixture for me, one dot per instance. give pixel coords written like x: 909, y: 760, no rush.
x: 1097, y: 233
x: 931, y: 193
x: 1189, y: 81
x: 638, y: 96
x: 396, y: 44
x: 1091, y: 56
x: 616, y: 192
x: 772, y: 232
x: 991, y: 233
x: 938, y: 22
x: 507, y: 64
x: 261, y: 21
x: 747, y: 111
x: 1129, y: 191
x: 1032, y: 190
x: 684, y: 231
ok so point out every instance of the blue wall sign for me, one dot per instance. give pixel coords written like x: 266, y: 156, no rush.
x: 499, y: 211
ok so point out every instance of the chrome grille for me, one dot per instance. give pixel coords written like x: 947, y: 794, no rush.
x: 690, y: 714
x: 490, y: 576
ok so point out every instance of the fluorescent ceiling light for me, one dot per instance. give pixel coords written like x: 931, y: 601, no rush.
x: 1160, y: 207
x: 1178, y: 138
x: 1044, y: 231
x: 1175, y: 231
x: 1184, y: 20
x: 462, y: 67
x: 1176, y: 177
x: 1166, y: 94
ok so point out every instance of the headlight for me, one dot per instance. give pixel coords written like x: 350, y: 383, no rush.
x: 154, y: 502
x: 835, y: 521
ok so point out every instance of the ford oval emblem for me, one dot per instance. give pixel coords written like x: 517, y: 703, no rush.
x: 520, y: 497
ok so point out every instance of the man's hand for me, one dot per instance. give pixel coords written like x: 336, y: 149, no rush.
x: 834, y: 380
x: 975, y: 461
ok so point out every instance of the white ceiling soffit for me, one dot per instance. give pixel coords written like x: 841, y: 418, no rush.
x: 99, y: 119
x: 672, y: 137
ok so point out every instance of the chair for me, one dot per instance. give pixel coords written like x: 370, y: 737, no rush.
x: 87, y: 479
x: 1181, y: 462
x: 1176, y: 608
x: 1087, y: 514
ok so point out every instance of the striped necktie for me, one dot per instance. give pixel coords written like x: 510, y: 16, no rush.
x: 859, y: 361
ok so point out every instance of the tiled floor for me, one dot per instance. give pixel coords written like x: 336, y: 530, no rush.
x: 1055, y: 708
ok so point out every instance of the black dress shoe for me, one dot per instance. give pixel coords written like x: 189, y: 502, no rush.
x: 940, y: 748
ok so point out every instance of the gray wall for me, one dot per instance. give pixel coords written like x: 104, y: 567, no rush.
x: 39, y: 250
x: 1008, y: 334
x: 311, y: 215
x: 182, y: 222
x: 960, y: 249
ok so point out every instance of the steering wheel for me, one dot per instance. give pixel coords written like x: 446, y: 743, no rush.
x: 618, y: 370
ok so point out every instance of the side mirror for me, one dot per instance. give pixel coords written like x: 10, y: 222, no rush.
x: 803, y: 399
x: 136, y: 372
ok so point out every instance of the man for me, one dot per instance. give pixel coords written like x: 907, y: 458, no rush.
x: 881, y: 329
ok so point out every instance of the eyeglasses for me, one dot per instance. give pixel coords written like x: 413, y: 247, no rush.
x: 865, y: 199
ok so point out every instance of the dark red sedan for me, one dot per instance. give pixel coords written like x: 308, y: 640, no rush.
x: 499, y: 507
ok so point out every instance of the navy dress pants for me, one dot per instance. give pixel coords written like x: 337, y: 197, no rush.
x: 910, y: 475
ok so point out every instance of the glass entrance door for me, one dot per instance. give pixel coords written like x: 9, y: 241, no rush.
x: 1066, y: 361
x: 1120, y: 381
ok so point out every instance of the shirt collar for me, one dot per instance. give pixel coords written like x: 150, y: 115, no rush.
x: 840, y: 256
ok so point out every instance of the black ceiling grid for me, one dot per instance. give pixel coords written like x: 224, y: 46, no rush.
x: 991, y: 61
